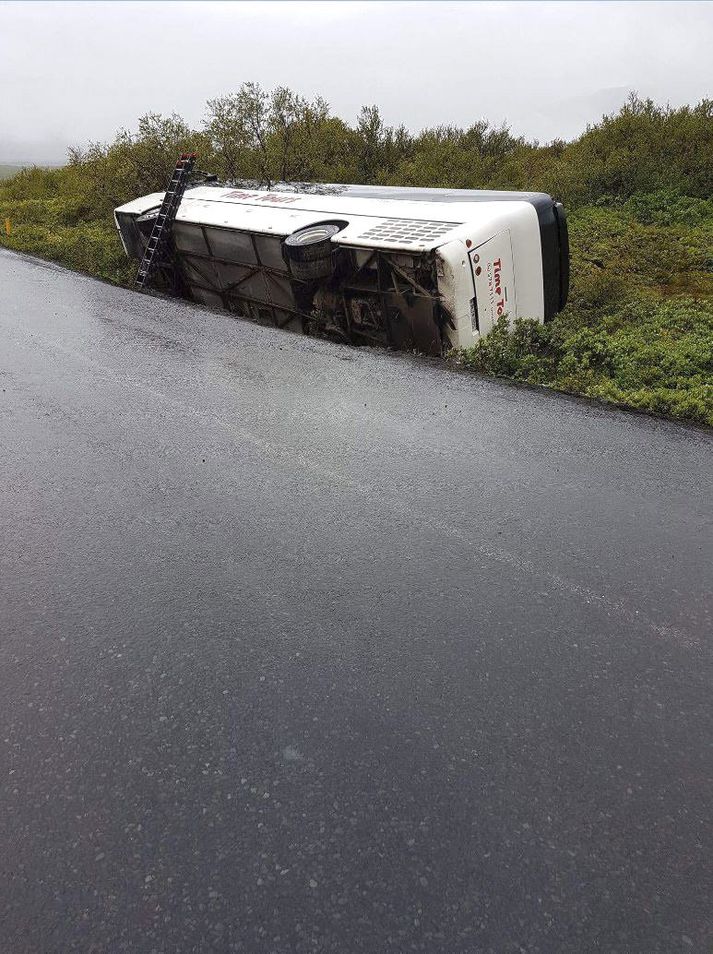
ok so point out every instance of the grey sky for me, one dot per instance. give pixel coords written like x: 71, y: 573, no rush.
x: 71, y: 72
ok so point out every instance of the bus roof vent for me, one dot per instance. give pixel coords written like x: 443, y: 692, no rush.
x: 405, y: 231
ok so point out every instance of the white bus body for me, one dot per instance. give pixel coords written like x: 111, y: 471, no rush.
x: 416, y: 269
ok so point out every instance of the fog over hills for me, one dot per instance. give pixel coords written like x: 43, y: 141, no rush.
x: 80, y: 71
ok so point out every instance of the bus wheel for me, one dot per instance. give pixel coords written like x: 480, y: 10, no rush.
x: 310, y: 251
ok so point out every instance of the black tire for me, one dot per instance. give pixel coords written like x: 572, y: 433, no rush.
x: 313, y: 242
x: 312, y: 271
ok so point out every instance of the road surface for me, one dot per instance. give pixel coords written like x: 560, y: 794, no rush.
x: 312, y: 649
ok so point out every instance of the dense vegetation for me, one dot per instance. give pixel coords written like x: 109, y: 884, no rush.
x: 637, y: 186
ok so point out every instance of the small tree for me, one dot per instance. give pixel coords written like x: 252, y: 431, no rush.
x: 237, y: 127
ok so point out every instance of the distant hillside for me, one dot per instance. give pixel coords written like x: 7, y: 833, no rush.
x: 9, y: 169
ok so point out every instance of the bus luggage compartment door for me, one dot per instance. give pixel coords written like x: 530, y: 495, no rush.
x: 494, y: 280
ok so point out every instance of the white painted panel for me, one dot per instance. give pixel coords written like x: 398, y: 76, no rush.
x: 494, y: 278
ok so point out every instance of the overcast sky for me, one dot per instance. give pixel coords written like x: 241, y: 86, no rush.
x: 72, y: 72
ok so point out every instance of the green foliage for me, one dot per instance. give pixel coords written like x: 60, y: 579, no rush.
x: 611, y: 246
x: 49, y: 219
x: 89, y: 247
x: 275, y: 137
x: 643, y: 148
x: 637, y: 185
x: 668, y: 208
x: 656, y: 355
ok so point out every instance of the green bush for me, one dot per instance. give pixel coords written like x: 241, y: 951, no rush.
x: 88, y: 248
x: 656, y: 355
x: 669, y: 208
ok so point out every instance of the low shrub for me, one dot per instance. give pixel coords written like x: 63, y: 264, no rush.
x: 655, y: 355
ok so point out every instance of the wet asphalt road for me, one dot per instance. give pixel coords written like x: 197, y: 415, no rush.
x: 311, y: 649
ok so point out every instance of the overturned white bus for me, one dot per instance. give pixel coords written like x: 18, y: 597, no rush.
x: 414, y: 269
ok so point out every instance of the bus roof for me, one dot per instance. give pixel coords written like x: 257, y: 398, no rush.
x: 396, y: 218
x: 406, y: 193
